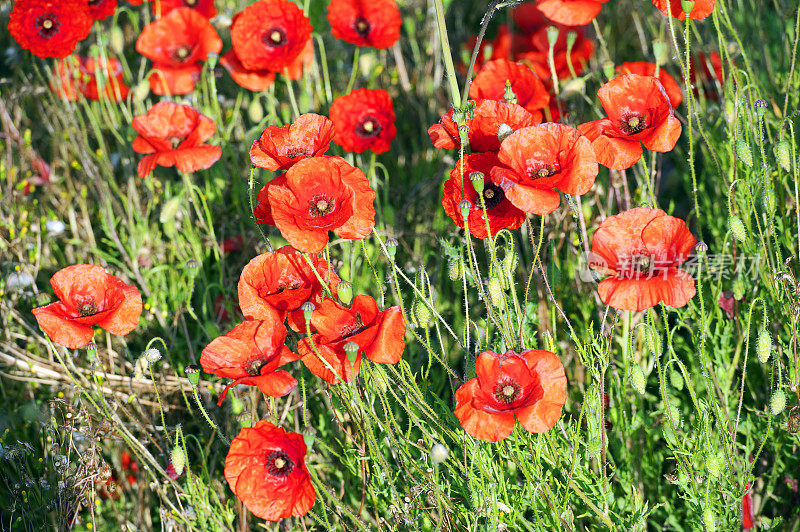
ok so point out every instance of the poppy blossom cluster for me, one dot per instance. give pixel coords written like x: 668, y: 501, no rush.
x: 171, y: 134
x: 79, y: 75
x: 88, y: 296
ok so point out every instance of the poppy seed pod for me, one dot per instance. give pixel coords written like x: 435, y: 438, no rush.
x: 737, y: 228
x: 192, y: 372
x: 763, y: 346
x: 744, y: 153
x: 351, y: 348
x: 509, y: 96
x: 345, y: 292
x: 552, y: 35
x: 777, y: 402
x: 761, y: 108
x: 477, y: 181
x: 687, y: 5
x: 464, y: 206
x: 391, y: 247
x: 783, y: 154
x: 308, y: 310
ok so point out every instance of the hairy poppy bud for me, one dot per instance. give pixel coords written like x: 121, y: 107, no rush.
x: 477, y: 181
x: 439, y: 453
x: 737, y: 228
x: 638, y: 381
x: 495, y: 289
x: 421, y: 314
x: 255, y: 111
x: 192, y: 372
x: 344, y: 290
x: 391, y: 247
x: 744, y: 153
x: 456, y: 270
x: 709, y: 519
x: 777, y: 402
x: 152, y: 355
x: 714, y: 465
x: 738, y: 288
x: 594, y: 447
x: 178, y: 459
x: 309, y: 435
x: 783, y: 154
x: 761, y: 108
x: 653, y: 342
x: 763, y: 346
x: 509, y: 264
x: 308, y: 309
x: 351, y: 349
x: 676, y: 379
x: 503, y: 132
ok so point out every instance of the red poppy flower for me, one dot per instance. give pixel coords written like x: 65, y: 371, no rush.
x: 638, y: 110
x: 542, y: 158
x: 641, y: 250
x: 488, y: 117
x: 49, y: 28
x: 279, y: 147
x: 76, y: 75
x: 747, y: 511
x: 204, y: 7
x: 266, y: 469
x: 102, y: 9
x: 537, y: 57
x: 709, y: 77
x: 318, y: 195
x: 701, y: 9
x: 528, y: 386
x: 643, y: 68
x: 373, y: 23
x: 528, y: 17
x: 490, y: 84
x: 378, y: 334
x: 364, y: 120
x: 502, y: 214
x: 571, y: 12
x: 177, y: 43
x: 260, y: 80
x: 275, y: 285
x: 251, y: 354
x: 173, y: 135
x: 270, y: 34
x: 88, y: 296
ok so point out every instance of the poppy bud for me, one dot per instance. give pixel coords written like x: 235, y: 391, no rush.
x: 152, y: 355
x: 308, y: 309
x: 709, y: 519
x: 439, y: 453
x: 687, y: 6
x: 552, y: 35
x: 178, y: 459
x: 737, y: 228
x: 676, y: 379
x: 351, y: 349
x: 608, y: 69
x: 255, y: 111
x: 495, y: 290
x: 783, y: 154
x: 763, y: 346
x: 509, y: 95
x: 660, y: 51
x: 116, y: 40
x: 738, y: 288
x: 391, y: 247
x: 465, y: 206
x: 509, y: 264
x: 673, y: 413
x: 309, y: 435
x: 654, y: 342
x: 594, y: 447
x: 477, y: 181
x: 140, y: 91
x: 345, y: 292
x: 456, y: 270
x: 638, y: 380
x: 761, y: 108
x: 714, y: 465
x: 744, y: 153
x: 192, y: 372
x: 421, y: 314
x: 777, y: 402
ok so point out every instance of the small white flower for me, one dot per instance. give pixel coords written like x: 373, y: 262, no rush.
x: 152, y: 355
x: 54, y: 227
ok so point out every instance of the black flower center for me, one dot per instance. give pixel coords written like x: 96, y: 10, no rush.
x: 362, y: 26
x: 48, y: 25
x: 253, y: 365
x: 507, y: 391
x: 492, y: 195
x: 634, y: 123
x: 321, y: 205
x: 274, y: 37
x: 368, y: 127
x: 279, y: 464
x: 87, y: 309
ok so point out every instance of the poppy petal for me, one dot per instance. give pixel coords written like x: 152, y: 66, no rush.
x: 388, y: 345
x: 62, y: 331
x: 533, y: 200
x: 664, y: 136
x: 545, y: 412
x: 674, y: 288
x: 479, y: 424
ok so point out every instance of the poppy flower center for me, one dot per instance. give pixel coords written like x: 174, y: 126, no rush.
x: 278, y: 464
x: 354, y: 328
x: 507, y: 391
x: 321, y: 205
x: 296, y: 152
x: 492, y: 195
x: 181, y: 53
x: 369, y: 127
x: 254, y: 365
x: 640, y: 264
x: 87, y: 309
x: 175, y: 142
x: 48, y: 25
x: 540, y: 170
x: 274, y: 37
x: 634, y: 123
x: 362, y: 26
